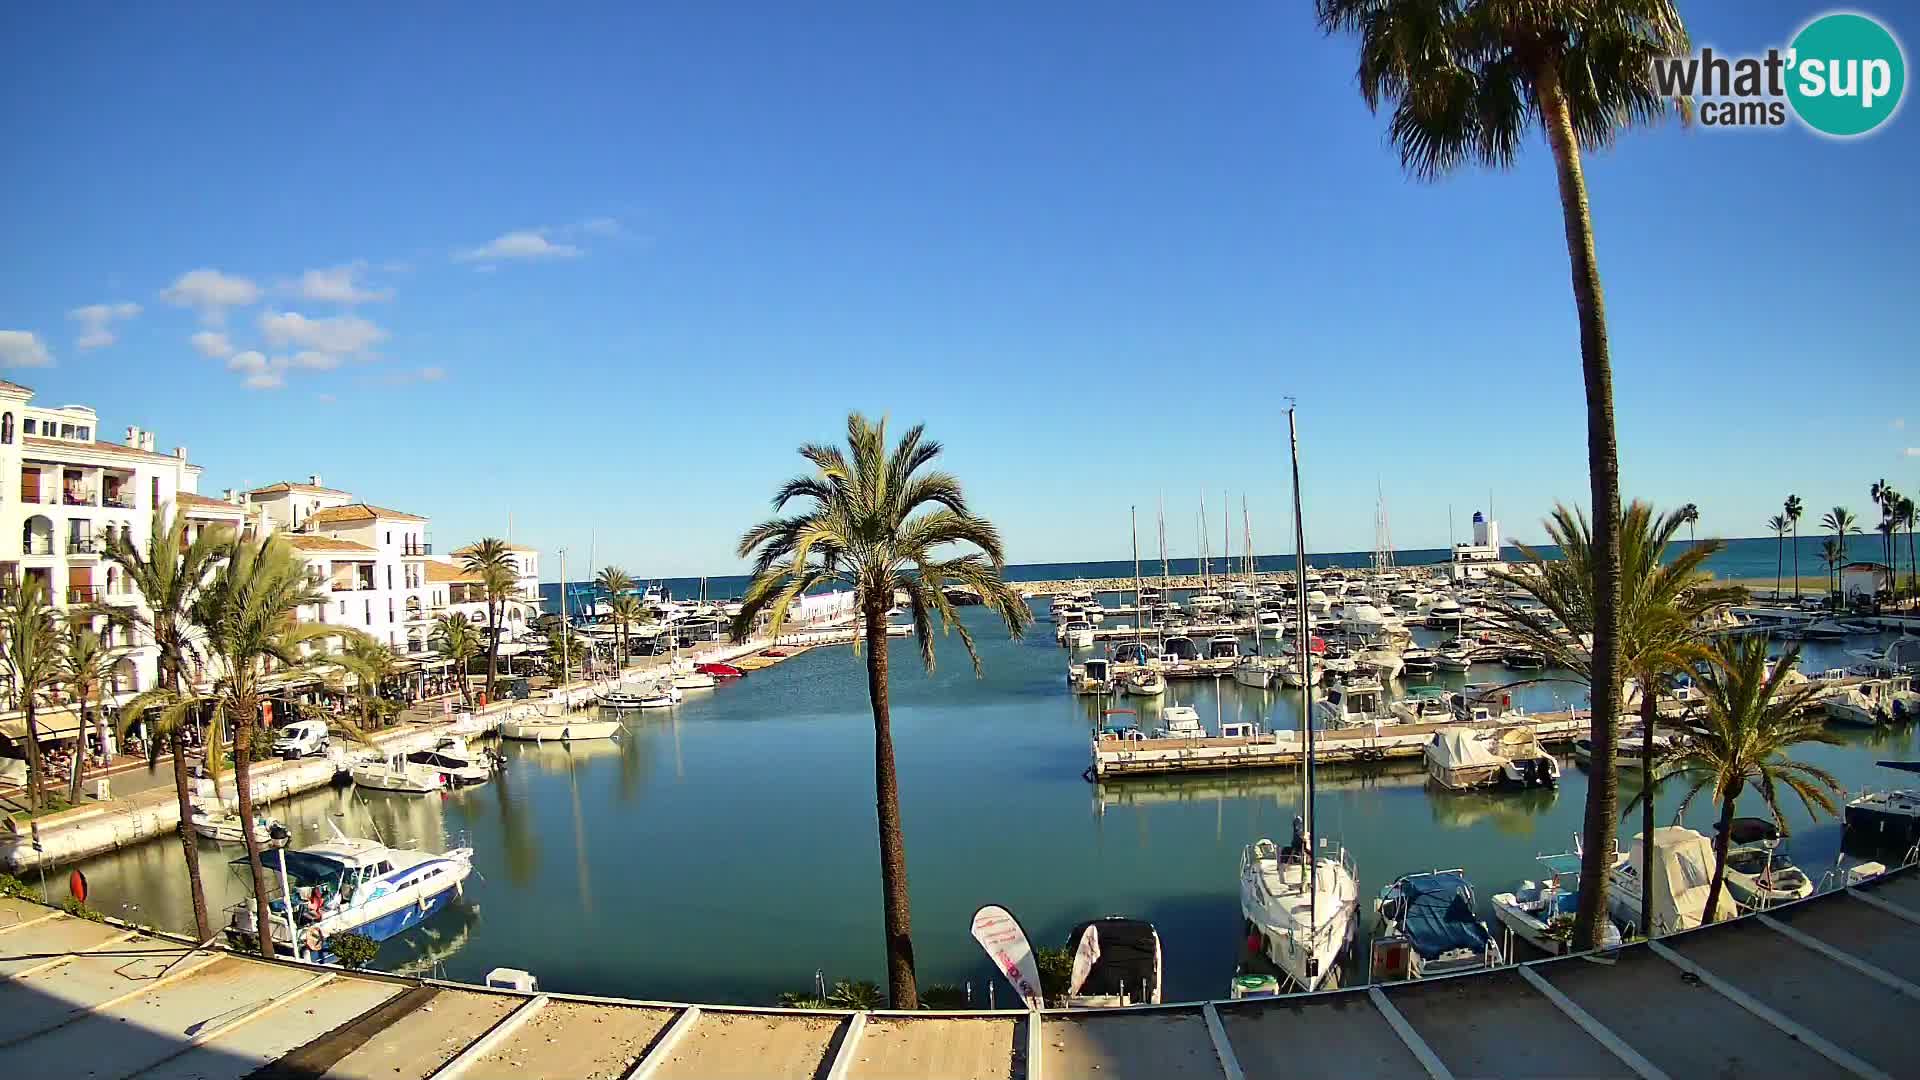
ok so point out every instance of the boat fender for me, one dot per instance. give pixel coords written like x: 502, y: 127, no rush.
x: 312, y: 940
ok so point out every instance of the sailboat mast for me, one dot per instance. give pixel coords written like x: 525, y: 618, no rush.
x: 1246, y: 541
x: 566, y: 629
x: 1166, y: 594
x: 1139, y: 609
x: 1226, y: 540
x: 1306, y: 673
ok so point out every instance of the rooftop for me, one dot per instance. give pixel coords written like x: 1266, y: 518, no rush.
x: 309, y: 542
x: 440, y: 573
x: 103, y: 447
x: 336, y: 515
x: 198, y: 504
x: 310, y: 489
x: 508, y: 546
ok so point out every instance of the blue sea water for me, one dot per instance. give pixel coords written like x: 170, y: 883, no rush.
x: 1753, y: 558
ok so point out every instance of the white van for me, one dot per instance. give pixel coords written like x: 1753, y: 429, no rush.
x: 302, y: 738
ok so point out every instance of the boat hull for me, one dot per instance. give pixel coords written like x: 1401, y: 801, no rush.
x: 560, y: 731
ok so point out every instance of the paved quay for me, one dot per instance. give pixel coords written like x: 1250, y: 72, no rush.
x: 1829, y: 986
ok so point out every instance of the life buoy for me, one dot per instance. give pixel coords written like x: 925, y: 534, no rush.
x: 313, y: 941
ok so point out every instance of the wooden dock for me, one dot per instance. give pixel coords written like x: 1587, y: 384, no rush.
x: 1113, y: 758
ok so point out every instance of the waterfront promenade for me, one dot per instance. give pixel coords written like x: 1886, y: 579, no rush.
x: 1829, y: 986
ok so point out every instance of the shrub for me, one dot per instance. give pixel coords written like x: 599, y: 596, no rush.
x: 12, y: 886
x: 944, y: 996
x: 354, y: 951
x: 80, y: 910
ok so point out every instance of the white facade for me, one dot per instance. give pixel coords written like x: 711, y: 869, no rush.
x: 371, y: 561
x: 1472, y: 561
x: 455, y: 591
x: 63, y: 490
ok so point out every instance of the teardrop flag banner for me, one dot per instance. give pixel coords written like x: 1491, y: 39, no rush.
x: 1005, y: 942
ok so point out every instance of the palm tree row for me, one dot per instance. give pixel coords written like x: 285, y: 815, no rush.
x: 494, y: 562
x: 1896, y: 511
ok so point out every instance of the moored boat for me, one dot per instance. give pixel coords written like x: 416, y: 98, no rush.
x: 559, y: 729
x: 1116, y: 963
x: 1145, y: 682
x: 1428, y: 927
x: 223, y: 826
x: 1759, y: 872
x: 1541, y: 913
x: 397, y: 774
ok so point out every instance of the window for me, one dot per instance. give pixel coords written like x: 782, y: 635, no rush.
x: 156, y: 492
x: 389, y: 537
x: 6, y: 428
x: 389, y: 569
x: 343, y: 607
x: 85, y: 434
x: 66, y: 431
x: 389, y: 609
x: 30, y: 426
x: 369, y: 612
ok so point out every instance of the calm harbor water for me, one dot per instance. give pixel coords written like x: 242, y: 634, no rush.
x: 725, y: 850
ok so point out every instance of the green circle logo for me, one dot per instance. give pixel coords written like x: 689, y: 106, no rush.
x: 1846, y: 74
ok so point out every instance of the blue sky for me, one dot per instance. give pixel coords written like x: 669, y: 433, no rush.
x: 604, y: 268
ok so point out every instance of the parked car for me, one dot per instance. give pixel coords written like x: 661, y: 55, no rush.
x: 302, y: 738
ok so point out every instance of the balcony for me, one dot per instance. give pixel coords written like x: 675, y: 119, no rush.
x: 86, y: 594
x: 37, y: 545
x: 425, y: 548
x: 86, y: 545
x: 119, y: 501
x: 79, y: 498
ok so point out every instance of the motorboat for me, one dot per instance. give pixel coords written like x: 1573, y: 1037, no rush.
x: 1827, y: 630
x: 1223, y: 647
x: 1460, y: 759
x: 1541, y: 913
x: 1428, y: 927
x: 1385, y: 659
x: 1872, y: 702
x: 348, y: 884
x: 1077, y: 634
x: 1116, y: 963
x: 1524, y: 763
x: 559, y: 729
x: 1133, y: 653
x: 1093, y: 677
x: 1355, y: 703
x: 1206, y: 604
x: 397, y: 774
x: 694, y: 680
x: 1759, y: 872
x: 1454, y: 657
x: 622, y: 700
x: 1629, y: 749
x: 1269, y: 623
x: 721, y: 671
x: 1256, y: 671
x: 1446, y: 614
x: 1300, y: 905
x: 1366, y: 621
x: 1178, y: 649
x: 1682, y: 874
x: 1886, y: 820
x: 1524, y: 660
x: 459, y: 764
x: 1423, y: 705
x: 1180, y: 722
x: 660, y: 696
x: 1145, y: 682
x: 1290, y: 671
x: 1419, y: 664
x: 223, y: 825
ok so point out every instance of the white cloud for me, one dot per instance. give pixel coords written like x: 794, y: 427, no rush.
x: 339, y: 334
x: 96, y: 320
x: 211, y: 293
x: 22, y: 348
x: 1913, y: 451
x: 261, y: 373
x: 337, y: 285
x: 520, y: 244
x: 314, y: 361
x: 212, y: 344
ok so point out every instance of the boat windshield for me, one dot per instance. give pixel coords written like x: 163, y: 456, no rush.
x: 304, y: 869
x: 1562, y: 865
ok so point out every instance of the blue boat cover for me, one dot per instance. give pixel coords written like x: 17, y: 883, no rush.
x: 1437, y: 916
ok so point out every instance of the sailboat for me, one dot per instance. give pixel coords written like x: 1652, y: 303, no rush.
x: 1301, y: 904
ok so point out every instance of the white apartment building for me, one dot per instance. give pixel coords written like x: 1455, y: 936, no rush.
x: 63, y: 491
x: 372, y: 561
x: 456, y: 591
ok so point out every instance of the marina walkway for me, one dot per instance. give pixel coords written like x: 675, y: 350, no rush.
x: 1826, y: 987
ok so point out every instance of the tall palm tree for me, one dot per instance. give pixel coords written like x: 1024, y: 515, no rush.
x: 1792, y: 509
x: 30, y: 659
x: 1740, y: 739
x: 169, y: 576
x: 1662, y: 604
x: 615, y: 582
x: 626, y: 611
x: 250, y: 616
x: 85, y: 664
x: 1778, y: 523
x: 1690, y: 514
x: 1887, y: 500
x: 1839, y: 521
x: 368, y: 664
x: 1908, y: 516
x: 455, y: 638
x: 873, y: 520
x: 1834, y: 554
x: 493, y: 561
x: 1469, y: 79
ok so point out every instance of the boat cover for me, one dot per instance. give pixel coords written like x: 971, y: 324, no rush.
x: 1462, y: 750
x: 1682, y: 877
x: 1437, y: 917
x: 1128, y: 949
x: 1903, y: 766
x: 1750, y: 830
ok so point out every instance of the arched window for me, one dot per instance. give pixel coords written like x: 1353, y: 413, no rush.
x: 6, y: 428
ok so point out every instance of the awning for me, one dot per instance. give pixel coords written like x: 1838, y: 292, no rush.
x: 52, y: 724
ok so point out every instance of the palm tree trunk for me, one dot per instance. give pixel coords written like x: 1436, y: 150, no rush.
x: 243, y: 790
x: 493, y: 648
x: 1779, y: 559
x: 79, y: 757
x: 1796, y: 562
x: 1603, y: 468
x: 901, y: 991
x: 189, y: 847
x: 1649, y: 712
x: 1720, y: 857
x: 36, y: 766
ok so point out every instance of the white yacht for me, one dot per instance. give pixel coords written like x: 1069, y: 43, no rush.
x: 1759, y: 873
x: 1428, y: 927
x: 459, y: 765
x: 1269, y: 623
x: 1077, y: 634
x: 1094, y: 677
x: 1354, y: 703
x: 397, y: 774
x: 1146, y: 682
x: 1873, y: 702
x: 1541, y: 913
x: 1455, y: 656
x: 1682, y: 872
x: 1301, y: 905
x: 555, y: 724
x: 1223, y: 647
x: 1384, y: 659
x: 349, y: 884
x: 1256, y: 671
x: 1423, y: 705
x: 1417, y: 663
x: 223, y: 825
x: 1180, y: 722
x: 1206, y: 605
